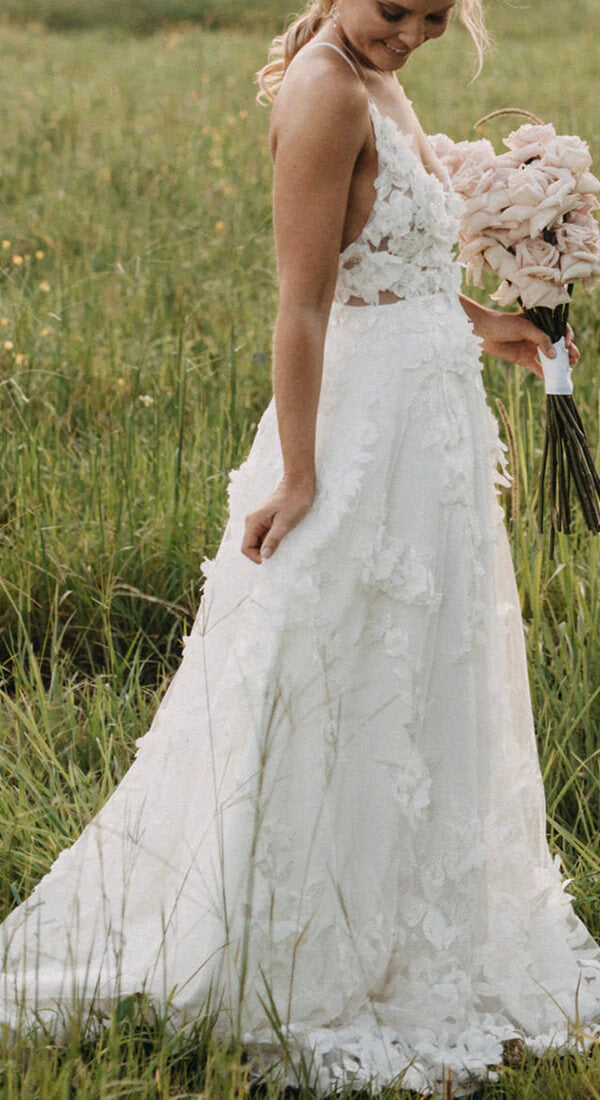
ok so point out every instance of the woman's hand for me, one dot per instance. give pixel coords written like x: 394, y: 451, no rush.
x: 282, y: 511
x: 510, y: 336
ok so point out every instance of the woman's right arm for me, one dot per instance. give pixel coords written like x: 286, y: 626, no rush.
x: 315, y: 146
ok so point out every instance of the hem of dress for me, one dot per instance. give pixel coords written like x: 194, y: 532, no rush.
x: 333, y: 1059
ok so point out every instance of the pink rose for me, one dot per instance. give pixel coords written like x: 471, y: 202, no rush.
x: 588, y: 184
x: 502, y: 262
x: 578, y: 242
x: 539, y: 259
x: 471, y: 253
x: 473, y: 245
x: 531, y: 293
x: 588, y: 190
x: 506, y: 294
x: 587, y: 204
x: 527, y: 184
x: 580, y: 269
x: 443, y: 147
x: 528, y: 133
x: 560, y: 199
x: 469, y: 163
x: 577, y: 233
x: 570, y: 152
x: 538, y: 292
x: 528, y: 142
x: 508, y: 237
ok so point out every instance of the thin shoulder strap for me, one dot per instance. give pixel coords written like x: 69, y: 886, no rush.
x: 338, y: 50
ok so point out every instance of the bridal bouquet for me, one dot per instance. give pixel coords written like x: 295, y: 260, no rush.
x: 528, y: 219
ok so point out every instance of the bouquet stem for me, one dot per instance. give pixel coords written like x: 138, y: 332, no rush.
x: 566, y: 456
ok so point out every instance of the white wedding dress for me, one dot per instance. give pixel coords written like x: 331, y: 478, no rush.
x: 338, y: 814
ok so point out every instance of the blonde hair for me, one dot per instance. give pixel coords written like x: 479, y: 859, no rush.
x: 304, y: 27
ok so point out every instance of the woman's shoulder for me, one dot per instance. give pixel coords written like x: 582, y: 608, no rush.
x: 319, y: 91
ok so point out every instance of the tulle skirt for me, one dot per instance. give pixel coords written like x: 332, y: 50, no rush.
x: 335, y: 826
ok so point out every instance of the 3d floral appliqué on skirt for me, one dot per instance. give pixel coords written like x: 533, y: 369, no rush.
x: 338, y: 812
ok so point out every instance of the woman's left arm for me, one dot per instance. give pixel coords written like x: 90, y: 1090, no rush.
x: 510, y: 336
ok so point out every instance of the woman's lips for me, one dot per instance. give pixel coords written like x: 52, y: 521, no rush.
x: 394, y: 50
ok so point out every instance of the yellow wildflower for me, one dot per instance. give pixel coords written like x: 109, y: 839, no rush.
x: 219, y: 226
x: 45, y: 286
x: 19, y: 357
x: 120, y: 382
x: 45, y: 332
x: 17, y: 260
x: 6, y: 244
x: 39, y: 254
x: 8, y: 345
x: 3, y: 321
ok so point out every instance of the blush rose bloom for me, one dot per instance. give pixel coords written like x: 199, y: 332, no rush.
x: 588, y: 184
x: 528, y: 142
x: 527, y: 184
x: 570, y: 152
x: 578, y: 241
x: 467, y: 162
x: 531, y: 293
x: 539, y: 259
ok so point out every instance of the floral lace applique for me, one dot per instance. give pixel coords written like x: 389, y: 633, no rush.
x: 406, y: 246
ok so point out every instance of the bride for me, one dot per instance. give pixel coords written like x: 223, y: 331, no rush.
x: 335, y: 828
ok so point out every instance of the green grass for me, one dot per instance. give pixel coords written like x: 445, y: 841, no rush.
x: 146, y: 16
x: 138, y: 367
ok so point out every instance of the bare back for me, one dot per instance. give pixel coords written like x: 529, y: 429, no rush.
x: 328, y: 71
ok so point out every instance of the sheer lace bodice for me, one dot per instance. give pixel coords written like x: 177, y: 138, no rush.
x: 406, y: 248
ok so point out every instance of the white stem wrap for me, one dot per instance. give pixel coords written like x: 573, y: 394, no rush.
x: 557, y: 372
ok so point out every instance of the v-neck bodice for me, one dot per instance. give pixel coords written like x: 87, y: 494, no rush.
x: 406, y: 247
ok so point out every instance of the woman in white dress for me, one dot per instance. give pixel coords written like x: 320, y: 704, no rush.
x: 336, y: 823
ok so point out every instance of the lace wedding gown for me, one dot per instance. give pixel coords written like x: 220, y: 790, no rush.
x: 338, y: 815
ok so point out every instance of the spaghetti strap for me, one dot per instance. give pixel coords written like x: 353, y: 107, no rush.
x: 338, y: 50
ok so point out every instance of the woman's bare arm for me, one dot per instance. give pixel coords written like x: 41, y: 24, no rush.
x: 317, y: 136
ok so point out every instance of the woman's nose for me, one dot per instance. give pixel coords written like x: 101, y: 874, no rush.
x: 413, y: 32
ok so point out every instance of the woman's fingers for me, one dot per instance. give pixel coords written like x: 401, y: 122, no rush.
x: 541, y: 341
x: 278, y: 529
x: 264, y: 531
x: 255, y: 529
x: 268, y: 524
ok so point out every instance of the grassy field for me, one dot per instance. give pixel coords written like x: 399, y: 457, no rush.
x: 146, y: 16
x: 137, y: 303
